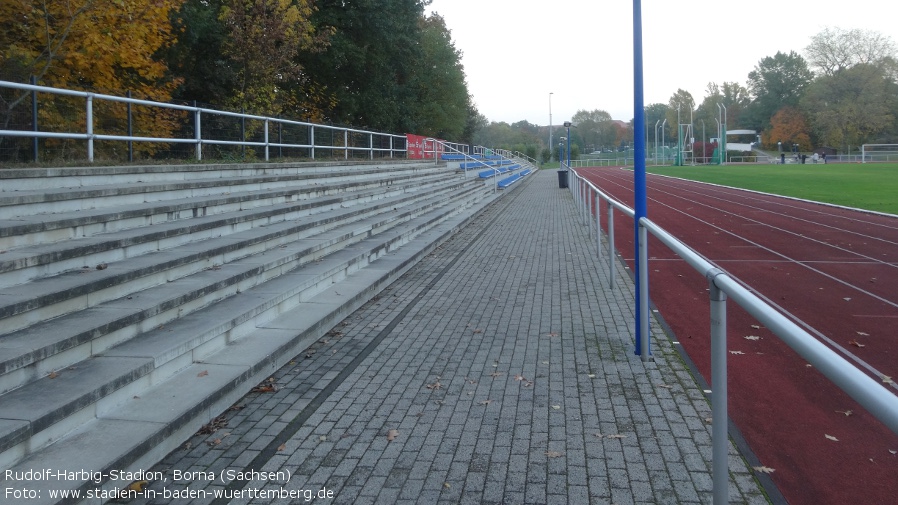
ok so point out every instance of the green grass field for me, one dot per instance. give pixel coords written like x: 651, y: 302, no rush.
x: 871, y: 186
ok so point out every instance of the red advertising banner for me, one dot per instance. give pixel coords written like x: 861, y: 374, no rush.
x: 420, y: 148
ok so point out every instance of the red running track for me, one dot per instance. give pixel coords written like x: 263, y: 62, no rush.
x: 835, y: 271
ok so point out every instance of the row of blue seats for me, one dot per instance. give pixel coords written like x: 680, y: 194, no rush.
x: 486, y: 174
x: 462, y: 157
x: 508, y: 181
x: 481, y: 164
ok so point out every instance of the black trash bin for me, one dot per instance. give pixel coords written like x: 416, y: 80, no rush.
x: 562, y: 178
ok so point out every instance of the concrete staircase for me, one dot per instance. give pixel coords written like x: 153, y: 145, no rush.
x: 138, y: 303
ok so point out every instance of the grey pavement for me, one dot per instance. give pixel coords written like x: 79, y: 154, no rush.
x: 500, y: 369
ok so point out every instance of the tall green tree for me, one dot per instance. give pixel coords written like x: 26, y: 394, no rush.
x: 369, y: 67
x: 264, y: 40
x: 442, y: 105
x: 595, y: 129
x: 854, y: 106
x: 777, y: 81
x: 198, y: 56
x: 834, y: 49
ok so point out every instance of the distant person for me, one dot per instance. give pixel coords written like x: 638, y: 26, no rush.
x: 782, y: 158
x: 824, y: 158
x: 815, y: 157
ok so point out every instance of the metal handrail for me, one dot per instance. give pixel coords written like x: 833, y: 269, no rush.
x: 451, y: 147
x: 868, y: 392
x: 197, y: 139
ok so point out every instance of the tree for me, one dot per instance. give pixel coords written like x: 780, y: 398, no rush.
x: 198, y: 55
x: 788, y: 126
x: 107, y: 46
x: 368, y: 70
x: 264, y: 40
x: 856, y: 105
x: 776, y: 82
x: 834, y: 49
x: 595, y: 129
x: 442, y: 104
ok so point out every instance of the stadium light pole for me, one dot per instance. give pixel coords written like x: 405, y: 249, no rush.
x: 704, y: 149
x: 550, y: 128
x: 639, y: 192
x: 663, y: 141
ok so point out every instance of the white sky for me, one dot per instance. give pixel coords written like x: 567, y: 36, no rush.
x: 511, y: 71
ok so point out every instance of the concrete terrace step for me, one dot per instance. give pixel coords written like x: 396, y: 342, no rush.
x: 46, y: 259
x: 25, y: 217
x: 192, y: 275
x: 52, y: 180
x: 109, y: 377
x: 140, y: 430
x: 117, y: 347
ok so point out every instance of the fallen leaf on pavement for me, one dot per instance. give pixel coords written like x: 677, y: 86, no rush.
x: 554, y: 454
x: 830, y: 437
x: 763, y: 469
x: 203, y: 373
x: 392, y: 434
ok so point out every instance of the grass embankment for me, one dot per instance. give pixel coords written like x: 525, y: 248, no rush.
x: 871, y: 186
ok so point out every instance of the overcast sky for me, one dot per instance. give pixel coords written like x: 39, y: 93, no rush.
x: 511, y: 70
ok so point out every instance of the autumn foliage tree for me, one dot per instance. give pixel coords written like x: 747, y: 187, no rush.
x: 788, y: 126
x: 264, y: 39
x: 106, y: 46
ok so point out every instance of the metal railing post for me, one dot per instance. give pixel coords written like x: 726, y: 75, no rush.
x: 612, y: 270
x: 598, y: 205
x: 197, y: 134
x: 644, y: 341
x: 719, y: 434
x: 130, y: 129
x: 266, y: 139
x: 90, y: 128
x: 345, y: 144
x: 312, y: 141
x: 35, y: 143
x: 371, y: 146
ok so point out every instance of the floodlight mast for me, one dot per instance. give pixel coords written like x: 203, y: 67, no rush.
x: 551, y: 149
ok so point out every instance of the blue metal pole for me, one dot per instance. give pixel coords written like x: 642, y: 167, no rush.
x: 639, y: 205
x: 568, y: 146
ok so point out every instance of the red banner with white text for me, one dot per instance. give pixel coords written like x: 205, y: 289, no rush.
x: 420, y: 148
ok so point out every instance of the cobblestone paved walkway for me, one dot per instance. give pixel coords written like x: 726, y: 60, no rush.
x: 500, y: 369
